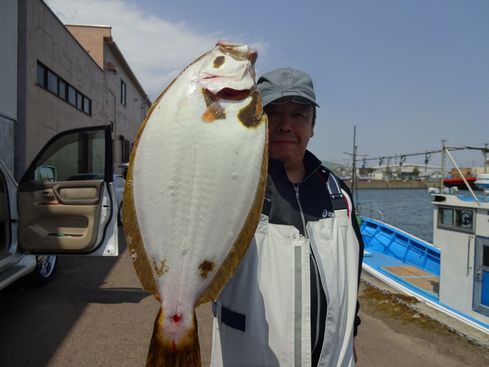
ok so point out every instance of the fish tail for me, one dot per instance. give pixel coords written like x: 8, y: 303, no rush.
x: 166, y: 353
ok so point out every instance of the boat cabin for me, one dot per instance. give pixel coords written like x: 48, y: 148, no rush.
x: 461, y: 231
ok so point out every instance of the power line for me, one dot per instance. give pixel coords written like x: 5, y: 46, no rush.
x: 403, y: 157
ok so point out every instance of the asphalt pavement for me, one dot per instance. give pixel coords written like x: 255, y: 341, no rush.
x: 94, y: 313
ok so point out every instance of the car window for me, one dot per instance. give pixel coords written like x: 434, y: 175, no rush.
x: 79, y: 156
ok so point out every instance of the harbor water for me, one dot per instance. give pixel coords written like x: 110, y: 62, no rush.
x: 408, y: 209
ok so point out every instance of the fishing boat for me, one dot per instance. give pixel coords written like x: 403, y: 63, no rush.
x: 452, y: 273
x: 459, y: 182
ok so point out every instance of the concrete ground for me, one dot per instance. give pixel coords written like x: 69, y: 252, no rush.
x: 95, y: 313
x: 394, y: 334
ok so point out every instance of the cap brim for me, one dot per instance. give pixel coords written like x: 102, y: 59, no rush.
x: 275, y: 96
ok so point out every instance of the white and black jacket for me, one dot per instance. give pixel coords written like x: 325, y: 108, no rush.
x: 293, y: 299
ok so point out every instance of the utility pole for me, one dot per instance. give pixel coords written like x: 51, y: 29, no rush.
x: 442, y: 164
x: 354, y: 163
x: 485, y: 158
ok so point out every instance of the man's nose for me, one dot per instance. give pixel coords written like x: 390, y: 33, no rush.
x: 285, y: 123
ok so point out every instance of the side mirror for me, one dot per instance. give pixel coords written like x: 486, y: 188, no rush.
x: 45, y: 173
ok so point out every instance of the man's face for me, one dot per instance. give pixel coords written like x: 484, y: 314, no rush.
x: 290, y: 127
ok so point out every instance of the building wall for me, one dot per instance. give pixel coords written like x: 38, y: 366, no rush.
x: 42, y: 114
x: 45, y: 114
x: 92, y: 40
x: 480, y: 170
x: 8, y: 78
x: 125, y: 118
x: 380, y: 173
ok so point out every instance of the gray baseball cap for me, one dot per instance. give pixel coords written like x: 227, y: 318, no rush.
x: 286, y: 82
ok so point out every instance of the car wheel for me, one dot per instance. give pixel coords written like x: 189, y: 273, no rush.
x: 44, y: 271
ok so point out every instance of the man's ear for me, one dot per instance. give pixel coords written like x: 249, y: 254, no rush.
x: 312, y: 132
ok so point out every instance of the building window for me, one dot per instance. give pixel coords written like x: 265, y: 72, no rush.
x: 79, y: 101
x: 125, y: 149
x: 87, y: 106
x: 62, y: 89
x: 71, y: 95
x: 41, y: 75
x: 52, y: 82
x: 454, y: 219
x: 123, y: 93
x: 49, y: 80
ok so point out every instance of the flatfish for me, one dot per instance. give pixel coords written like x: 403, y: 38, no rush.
x: 194, y: 191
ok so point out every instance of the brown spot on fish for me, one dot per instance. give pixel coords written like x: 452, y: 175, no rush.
x: 205, y: 268
x: 251, y: 115
x: 160, y: 267
x: 214, y: 112
x: 134, y: 255
x: 218, y: 61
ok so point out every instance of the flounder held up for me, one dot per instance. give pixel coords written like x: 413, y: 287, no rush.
x: 194, y: 192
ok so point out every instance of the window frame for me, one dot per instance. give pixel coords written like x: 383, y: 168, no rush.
x: 456, y: 211
x: 123, y: 93
x: 67, y: 93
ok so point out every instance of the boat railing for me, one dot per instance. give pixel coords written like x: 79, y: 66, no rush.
x: 370, y: 212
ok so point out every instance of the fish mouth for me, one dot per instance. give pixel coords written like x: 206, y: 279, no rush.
x: 230, y: 94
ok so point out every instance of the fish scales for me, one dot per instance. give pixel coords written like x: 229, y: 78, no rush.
x: 194, y: 192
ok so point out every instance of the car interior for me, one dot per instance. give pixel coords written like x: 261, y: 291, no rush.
x: 62, y: 209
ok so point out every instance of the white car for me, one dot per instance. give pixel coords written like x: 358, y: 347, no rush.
x: 66, y: 203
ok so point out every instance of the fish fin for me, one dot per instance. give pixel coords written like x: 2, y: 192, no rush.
x: 214, y: 112
x: 243, y: 240
x: 163, y: 352
x: 134, y: 241
x: 138, y: 255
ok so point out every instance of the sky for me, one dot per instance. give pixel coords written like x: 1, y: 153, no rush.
x: 406, y: 73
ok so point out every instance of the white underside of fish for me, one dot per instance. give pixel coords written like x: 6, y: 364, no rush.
x: 193, y: 185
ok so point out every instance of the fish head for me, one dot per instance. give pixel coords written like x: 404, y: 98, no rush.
x: 228, y: 71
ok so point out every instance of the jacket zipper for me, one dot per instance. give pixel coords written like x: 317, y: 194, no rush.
x: 297, y: 197
x: 315, y: 268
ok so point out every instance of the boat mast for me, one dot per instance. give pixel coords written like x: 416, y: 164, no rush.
x: 354, y: 165
x: 442, y: 164
x: 485, y: 158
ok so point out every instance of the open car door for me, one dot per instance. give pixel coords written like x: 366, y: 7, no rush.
x: 66, y: 199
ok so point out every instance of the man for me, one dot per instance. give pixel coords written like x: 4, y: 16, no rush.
x: 293, y: 299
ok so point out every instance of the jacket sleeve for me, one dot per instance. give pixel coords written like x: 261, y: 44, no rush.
x: 356, y: 228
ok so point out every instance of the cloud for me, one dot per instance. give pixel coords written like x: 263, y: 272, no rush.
x: 156, y: 49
